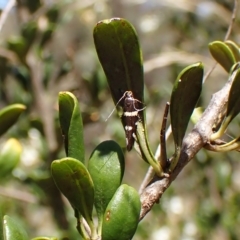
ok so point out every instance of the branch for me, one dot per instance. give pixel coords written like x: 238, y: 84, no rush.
x: 42, y: 101
x: 192, y: 143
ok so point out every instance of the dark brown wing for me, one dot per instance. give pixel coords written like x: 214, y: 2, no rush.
x: 129, y: 120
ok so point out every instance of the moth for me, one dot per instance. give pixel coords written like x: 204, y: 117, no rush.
x: 130, y: 117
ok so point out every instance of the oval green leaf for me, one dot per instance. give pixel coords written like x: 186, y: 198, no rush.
x: 71, y: 124
x: 12, y: 229
x: 222, y: 54
x: 118, y: 50
x: 10, y: 156
x: 234, y: 48
x: 122, y: 214
x: 74, y: 181
x: 106, y: 167
x: 9, y: 115
x: 185, y: 94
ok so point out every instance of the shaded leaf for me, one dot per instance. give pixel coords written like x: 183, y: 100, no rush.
x: 9, y: 115
x: 106, y: 166
x: 74, y: 181
x: 33, y: 5
x: 122, y: 214
x: 186, y: 91
x: 71, y: 124
x: 47, y: 34
x: 222, y: 54
x: 12, y: 230
x: 53, y: 14
x: 19, y: 46
x: 29, y: 32
x: 233, y: 107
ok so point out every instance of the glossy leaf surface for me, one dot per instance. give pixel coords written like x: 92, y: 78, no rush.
x: 71, y: 124
x: 222, y: 54
x: 12, y: 230
x: 106, y: 166
x: 74, y: 181
x: 122, y: 214
x: 185, y: 94
x: 9, y: 115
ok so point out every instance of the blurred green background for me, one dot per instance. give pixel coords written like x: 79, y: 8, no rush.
x: 47, y: 46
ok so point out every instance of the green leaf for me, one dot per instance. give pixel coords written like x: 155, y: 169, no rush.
x: 53, y: 13
x: 122, y: 214
x: 47, y: 34
x: 9, y: 115
x: 234, y: 48
x: 33, y: 5
x: 142, y: 147
x: 71, y: 124
x: 222, y: 54
x: 10, y: 156
x: 186, y: 91
x: 74, y: 181
x: 18, y: 44
x: 119, y: 52
x: 29, y: 31
x: 233, y: 107
x: 106, y: 167
x: 12, y: 230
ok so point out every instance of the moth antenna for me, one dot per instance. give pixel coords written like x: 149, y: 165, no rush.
x: 111, y: 113
x: 115, y: 106
x: 136, y: 108
x: 139, y: 109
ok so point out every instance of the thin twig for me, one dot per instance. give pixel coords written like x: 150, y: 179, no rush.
x: 18, y: 195
x: 44, y: 106
x: 230, y: 27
